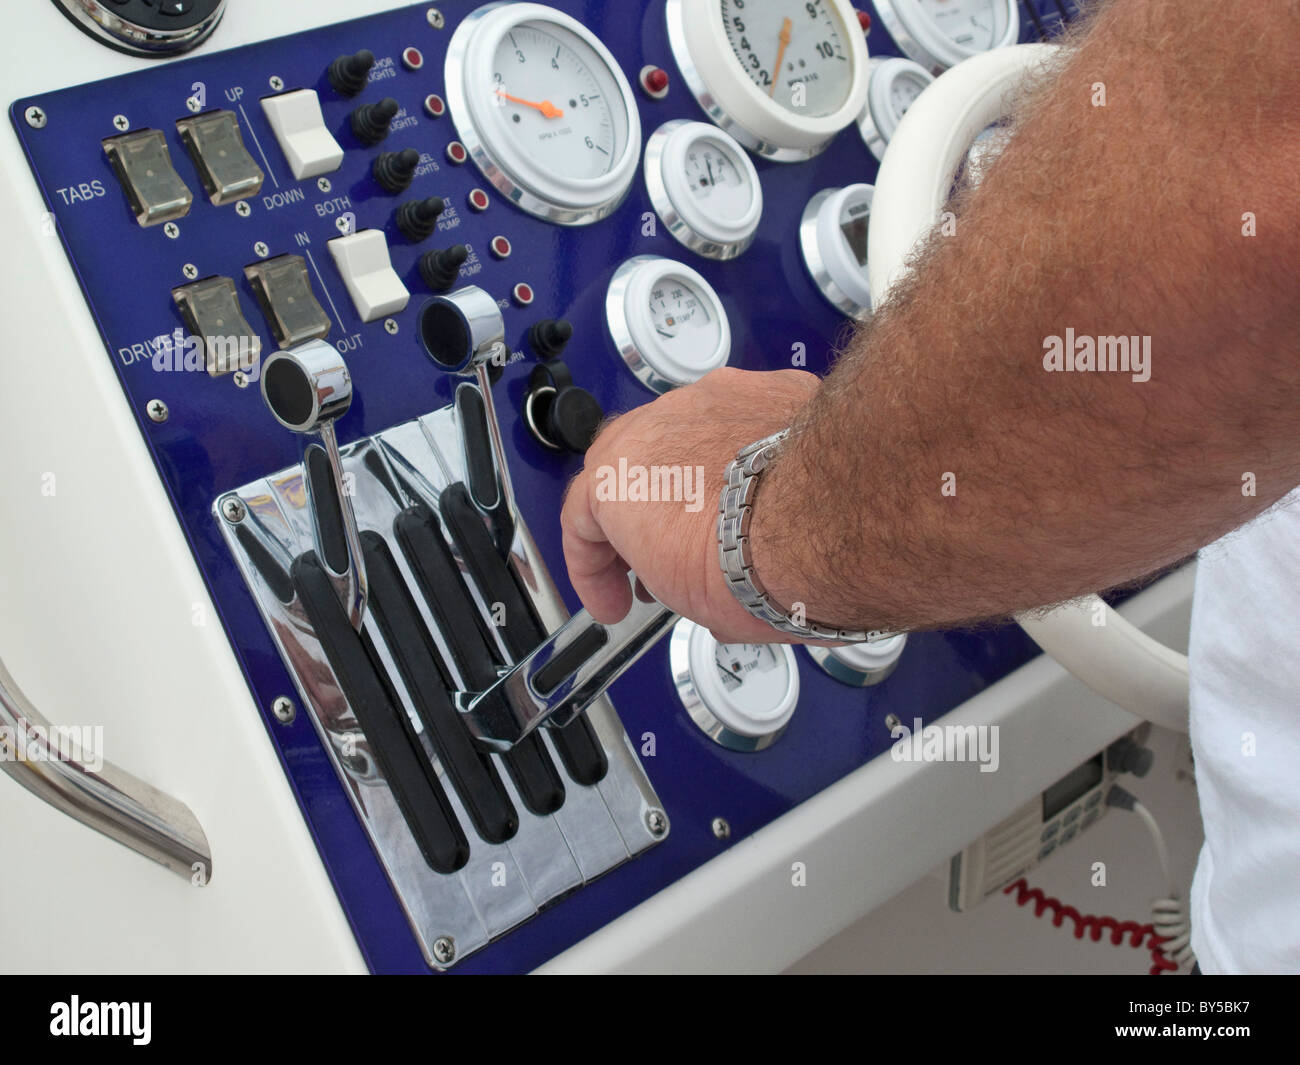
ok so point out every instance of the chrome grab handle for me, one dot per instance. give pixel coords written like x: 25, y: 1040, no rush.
x: 517, y: 703
x: 100, y: 795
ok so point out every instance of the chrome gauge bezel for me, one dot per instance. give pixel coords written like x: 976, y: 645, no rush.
x: 725, y: 119
x: 878, y: 122
x: 921, y: 40
x: 606, y: 193
x: 624, y: 335
x: 110, y: 27
x: 679, y: 661
x: 725, y: 242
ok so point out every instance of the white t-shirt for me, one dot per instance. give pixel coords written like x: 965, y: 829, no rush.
x: 1245, y: 730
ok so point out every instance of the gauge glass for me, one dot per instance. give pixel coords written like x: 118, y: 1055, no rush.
x: 716, y: 182
x: 754, y: 676
x: 795, y: 52
x: 973, y: 25
x: 904, y: 90
x: 680, y: 315
x: 558, y: 101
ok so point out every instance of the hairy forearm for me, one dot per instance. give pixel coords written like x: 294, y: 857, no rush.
x: 942, y: 475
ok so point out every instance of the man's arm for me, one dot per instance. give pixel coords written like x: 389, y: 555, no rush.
x: 1118, y: 220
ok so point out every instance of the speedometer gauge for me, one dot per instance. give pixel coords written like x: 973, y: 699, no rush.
x: 941, y: 33
x: 781, y: 76
x: 544, y: 110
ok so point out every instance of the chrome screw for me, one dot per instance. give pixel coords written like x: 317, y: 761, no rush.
x: 190, y: 270
x: 233, y: 509
x: 435, y: 18
x: 35, y: 117
x: 284, y: 710
x: 172, y: 230
x: 193, y: 104
x: 390, y: 326
x: 656, y: 822
x: 721, y: 830
x: 121, y: 123
x: 444, y: 949
x: 276, y: 82
x: 261, y: 250
x: 324, y: 184
x: 242, y: 209
x: 240, y: 378
x: 892, y: 722
x: 157, y: 411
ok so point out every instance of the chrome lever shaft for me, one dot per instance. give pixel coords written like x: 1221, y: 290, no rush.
x: 563, y: 676
x: 307, y: 389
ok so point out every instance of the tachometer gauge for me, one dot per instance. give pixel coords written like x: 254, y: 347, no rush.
x: 544, y: 110
x: 895, y: 85
x: 781, y: 76
x: 704, y: 188
x: 667, y: 322
x: 941, y: 33
x: 742, y: 695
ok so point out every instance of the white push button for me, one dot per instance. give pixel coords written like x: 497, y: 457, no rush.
x: 300, y: 128
x: 373, y: 284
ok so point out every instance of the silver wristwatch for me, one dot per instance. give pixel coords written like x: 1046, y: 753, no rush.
x: 735, y: 510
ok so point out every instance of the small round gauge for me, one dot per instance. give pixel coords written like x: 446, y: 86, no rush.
x: 667, y: 322
x: 544, y: 110
x: 939, y: 34
x: 833, y: 239
x: 860, y: 664
x: 895, y: 85
x: 742, y: 695
x: 781, y: 76
x: 704, y: 188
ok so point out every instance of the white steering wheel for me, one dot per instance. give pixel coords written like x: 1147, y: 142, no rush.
x: 1113, y: 657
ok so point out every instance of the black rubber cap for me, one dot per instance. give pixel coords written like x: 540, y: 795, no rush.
x: 573, y: 419
x: 417, y: 219
x: 549, y: 337
x: 394, y: 170
x: 441, y: 268
x: 348, y: 73
x: 370, y: 122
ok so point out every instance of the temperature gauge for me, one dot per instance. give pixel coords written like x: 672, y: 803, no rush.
x: 667, y: 322
x: 939, y: 34
x: 895, y: 85
x: 742, y: 695
x: 704, y: 188
x: 833, y: 238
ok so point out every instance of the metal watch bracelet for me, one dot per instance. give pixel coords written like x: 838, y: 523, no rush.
x: 735, y: 512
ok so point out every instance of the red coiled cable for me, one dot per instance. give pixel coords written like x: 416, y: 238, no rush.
x: 1094, y: 925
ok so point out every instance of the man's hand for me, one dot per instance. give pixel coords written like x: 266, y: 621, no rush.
x: 616, y: 515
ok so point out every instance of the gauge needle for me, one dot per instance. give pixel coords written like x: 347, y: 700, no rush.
x: 548, y: 109
x: 786, y: 27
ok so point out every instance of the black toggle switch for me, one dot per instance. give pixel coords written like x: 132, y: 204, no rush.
x: 559, y: 414
x: 370, y: 122
x: 441, y: 268
x: 395, y: 170
x: 417, y: 219
x: 348, y: 73
x: 550, y: 336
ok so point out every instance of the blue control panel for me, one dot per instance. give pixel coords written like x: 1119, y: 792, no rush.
x: 217, y: 435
